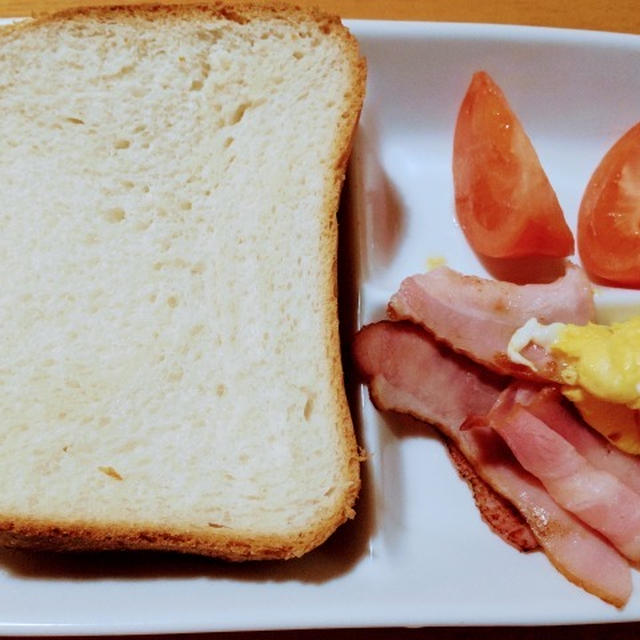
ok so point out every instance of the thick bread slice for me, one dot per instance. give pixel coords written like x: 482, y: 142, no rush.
x: 170, y: 374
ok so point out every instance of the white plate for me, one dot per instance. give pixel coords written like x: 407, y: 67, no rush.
x: 418, y: 553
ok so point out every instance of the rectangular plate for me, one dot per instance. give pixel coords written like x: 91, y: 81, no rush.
x: 418, y: 553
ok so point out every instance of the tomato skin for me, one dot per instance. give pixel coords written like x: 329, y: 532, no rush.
x: 609, y: 215
x: 504, y: 201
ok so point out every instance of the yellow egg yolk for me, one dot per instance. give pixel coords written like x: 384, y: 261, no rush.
x: 602, y: 359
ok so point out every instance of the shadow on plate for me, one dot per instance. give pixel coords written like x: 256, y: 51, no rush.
x: 337, y: 556
x: 540, y: 269
x: 375, y: 215
x: 332, y: 559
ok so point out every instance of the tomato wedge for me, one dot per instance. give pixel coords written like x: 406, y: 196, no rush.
x: 504, y: 201
x: 609, y: 215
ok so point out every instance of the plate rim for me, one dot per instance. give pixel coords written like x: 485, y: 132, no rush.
x: 203, y: 623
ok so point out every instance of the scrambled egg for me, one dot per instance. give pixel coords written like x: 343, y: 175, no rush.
x: 601, y: 359
x: 599, y: 368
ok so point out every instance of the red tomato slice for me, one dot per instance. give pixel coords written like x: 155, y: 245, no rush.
x: 504, y: 201
x: 609, y: 216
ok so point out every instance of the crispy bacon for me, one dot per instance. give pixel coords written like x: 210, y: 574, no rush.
x: 477, y: 317
x: 408, y: 372
x: 499, y: 514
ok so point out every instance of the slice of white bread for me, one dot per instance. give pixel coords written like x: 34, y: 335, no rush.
x: 170, y: 375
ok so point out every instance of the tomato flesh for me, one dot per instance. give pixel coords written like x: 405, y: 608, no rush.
x: 504, y: 201
x: 609, y: 215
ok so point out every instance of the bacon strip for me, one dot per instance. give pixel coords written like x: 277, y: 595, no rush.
x: 407, y: 372
x: 548, y: 404
x: 477, y: 317
x: 595, y: 496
